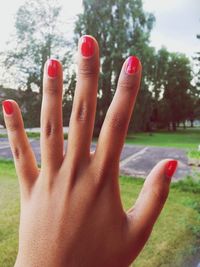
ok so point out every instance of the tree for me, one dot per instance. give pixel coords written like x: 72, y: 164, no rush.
x: 177, y: 103
x: 68, y: 97
x: 122, y: 28
x: 197, y: 58
x: 197, y: 81
x: 37, y: 38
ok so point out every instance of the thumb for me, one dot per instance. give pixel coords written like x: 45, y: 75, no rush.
x: 143, y: 215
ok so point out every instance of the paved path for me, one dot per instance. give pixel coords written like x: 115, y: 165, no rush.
x: 136, y: 160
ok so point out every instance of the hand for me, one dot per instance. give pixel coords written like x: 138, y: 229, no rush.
x: 71, y: 212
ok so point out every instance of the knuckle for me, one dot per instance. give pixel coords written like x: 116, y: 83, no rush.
x: 16, y: 153
x: 51, y: 90
x: 50, y: 129
x: 14, y: 126
x: 87, y: 70
x: 82, y: 113
x: 19, y: 152
x: 126, y: 85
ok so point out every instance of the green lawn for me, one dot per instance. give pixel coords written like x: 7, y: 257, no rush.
x: 188, y: 139
x: 32, y: 135
x: 175, y: 234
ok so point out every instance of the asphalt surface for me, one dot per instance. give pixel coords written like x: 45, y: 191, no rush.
x: 135, y: 161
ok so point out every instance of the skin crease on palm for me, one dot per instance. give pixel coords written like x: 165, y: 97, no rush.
x: 71, y: 211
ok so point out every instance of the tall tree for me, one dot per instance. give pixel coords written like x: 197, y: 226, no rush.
x: 178, y: 100
x: 37, y: 38
x: 122, y: 28
x: 197, y: 81
x: 197, y: 58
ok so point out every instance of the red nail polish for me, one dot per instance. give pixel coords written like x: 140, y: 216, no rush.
x: 132, y: 65
x: 7, y: 105
x: 170, y: 168
x: 52, y: 68
x: 87, y: 46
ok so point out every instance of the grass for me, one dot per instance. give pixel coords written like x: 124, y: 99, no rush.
x: 174, y: 236
x: 32, y: 135
x: 188, y: 139
x: 194, y: 154
x: 174, y: 239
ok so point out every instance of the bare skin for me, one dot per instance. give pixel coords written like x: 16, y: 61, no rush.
x: 71, y: 211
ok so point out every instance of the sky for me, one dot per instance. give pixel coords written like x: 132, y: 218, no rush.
x: 176, y: 27
x: 177, y: 24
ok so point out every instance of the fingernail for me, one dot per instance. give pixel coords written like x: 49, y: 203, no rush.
x: 132, y: 65
x: 170, y: 168
x: 87, y: 46
x: 7, y: 105
x: 52, y: 68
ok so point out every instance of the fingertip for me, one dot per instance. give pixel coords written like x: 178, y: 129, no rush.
x: 170, y: 168
x: 163, y: 172
x: 130, y: 76
x: 132, y: 65
x: 9, y: 107
x: 88, y: 46
x: 53, y: 68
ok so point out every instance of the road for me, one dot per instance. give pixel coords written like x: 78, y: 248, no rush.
x: 135, y: 160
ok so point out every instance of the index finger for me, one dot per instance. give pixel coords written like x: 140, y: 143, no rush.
x: 117, y: 119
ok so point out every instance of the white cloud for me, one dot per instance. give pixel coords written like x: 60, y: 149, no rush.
x: 177, y: 24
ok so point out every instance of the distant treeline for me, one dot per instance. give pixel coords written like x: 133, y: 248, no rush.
x: 170, y: 92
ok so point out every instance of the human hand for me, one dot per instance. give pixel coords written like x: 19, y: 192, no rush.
x: 71, y: 211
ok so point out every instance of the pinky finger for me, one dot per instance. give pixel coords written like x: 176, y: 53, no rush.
x: 24, y: 158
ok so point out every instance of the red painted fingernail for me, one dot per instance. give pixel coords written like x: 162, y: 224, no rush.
x: 52, y: 68
x: 170, y: 168
x: 87, y: 46
x: 7, y: 105
x: 132, y: 65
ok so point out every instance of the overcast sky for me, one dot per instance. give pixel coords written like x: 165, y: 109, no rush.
x: 177, y: 22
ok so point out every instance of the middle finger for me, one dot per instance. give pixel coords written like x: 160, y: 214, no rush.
x: 51, y: 117
x: 84, y: 105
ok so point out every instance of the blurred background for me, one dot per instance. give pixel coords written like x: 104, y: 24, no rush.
x: 165, y: 35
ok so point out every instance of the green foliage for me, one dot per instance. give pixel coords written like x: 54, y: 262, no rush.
x: 29, y: 103
x: 197, y: 61
x: 194, y: 154
x: 172, y: 90
x: 37, y: 38
x: 68, y: 98
x: 197, y: 81
x: 189, y: 185
x: 122, y: 28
